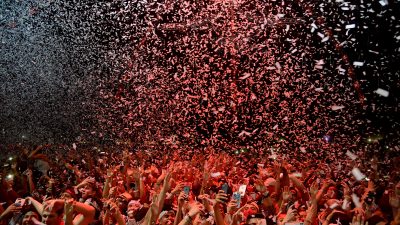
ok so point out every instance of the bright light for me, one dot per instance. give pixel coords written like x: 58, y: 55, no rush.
x: 11, y: 158
x: 10, y: 176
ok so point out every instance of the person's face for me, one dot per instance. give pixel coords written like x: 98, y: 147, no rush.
x: 27, y: 220
x: 87, y: 191
x: 249, y: 209
x: 302, y: 212
x: 49, y: 217
x: 331, y: 193
x: 66, y: 196
x: 168, y: 218
x: 133, y: 207
x: 122, y: 203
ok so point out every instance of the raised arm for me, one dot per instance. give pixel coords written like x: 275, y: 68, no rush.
x: 221, y: 198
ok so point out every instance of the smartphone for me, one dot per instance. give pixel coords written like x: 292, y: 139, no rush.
x: 237, y: 197
x: 225, y: 188
x: 19, y: 202
x: 242, y: 190
x: 186, y: 190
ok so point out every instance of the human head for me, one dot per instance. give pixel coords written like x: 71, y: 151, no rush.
x: 122, y: 201
x: 52, y: 213
x: 28, y: 217
x: 270, y: 184
x: 133, y: 208
x: 250, y: 209
x: 167, y: 217
x: 331, y: 193
x: 88, y: 190
x: 68, y: 193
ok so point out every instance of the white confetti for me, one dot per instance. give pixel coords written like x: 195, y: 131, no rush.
x: 357, y: 174
x: 244, y: 133
x: 246, y: 75
x: 382, y: 92
x: 351, y: 155
x: 356, y: 200
x: 297, y: 174
x: 278, y: 65
x: 350, y: 26
x: 217, y: 174
x: 383, y: 2
x: 325, y: 39
x: 334, y: 205
x: 337, y: 107
x: 356, y: 63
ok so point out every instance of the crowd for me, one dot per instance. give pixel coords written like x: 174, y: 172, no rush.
x: 93, y: 185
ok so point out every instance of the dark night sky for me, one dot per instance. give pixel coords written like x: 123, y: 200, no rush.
x: 103, y: 71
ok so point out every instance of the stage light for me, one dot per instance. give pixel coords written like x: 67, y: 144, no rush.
x: 327, y: 138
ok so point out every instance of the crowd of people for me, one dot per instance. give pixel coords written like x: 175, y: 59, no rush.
x: 94, y: 185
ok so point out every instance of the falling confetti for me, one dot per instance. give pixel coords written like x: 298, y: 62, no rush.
x: 205, y: 73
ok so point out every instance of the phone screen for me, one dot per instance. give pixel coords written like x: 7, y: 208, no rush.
x: 186, y: 190
x: 225, y: 188
x: 237, y: 197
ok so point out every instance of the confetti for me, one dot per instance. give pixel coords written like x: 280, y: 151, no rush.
x: 147, y: 71
x: 337, y: 107
x: 382, y: 92
x: 355, y: 63
x: 356, y: 200
x: 357, y: 174
x: 351, y: 155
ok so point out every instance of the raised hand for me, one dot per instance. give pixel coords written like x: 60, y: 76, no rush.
x: 154, y: 207
x: 358, y: 220
x: 394, y: 200
x: 232, y: 206
x: 291, y: 214
x: 28, y: 173
x: 346, y: 188
x: 182, y: 198
x: 286, y: 194
x: 195, y: 208
x: 314, y: 190
x: 178, y: 188
x: 221, y: 197
x: 167, y: 179
x: 111, y: 207
x: 69, y: 207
